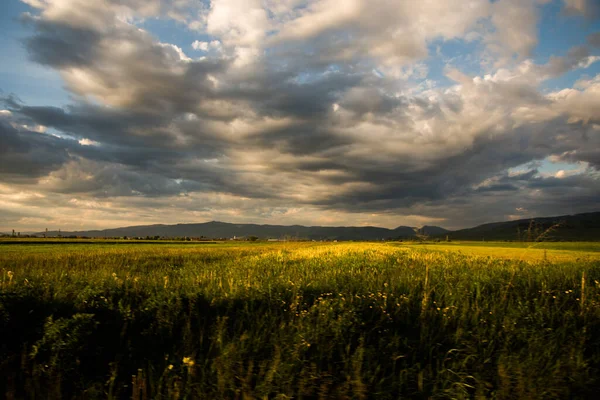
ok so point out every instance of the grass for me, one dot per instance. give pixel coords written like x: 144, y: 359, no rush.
x: 571, y: 246
x: 296, y: 320
x: 553, y: 251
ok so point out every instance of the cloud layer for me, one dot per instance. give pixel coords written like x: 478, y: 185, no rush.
x: 299, y: 112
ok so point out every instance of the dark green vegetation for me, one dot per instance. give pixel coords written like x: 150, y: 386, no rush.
x: 294, y: 320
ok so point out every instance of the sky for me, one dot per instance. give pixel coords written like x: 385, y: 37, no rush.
x: 314, y: 112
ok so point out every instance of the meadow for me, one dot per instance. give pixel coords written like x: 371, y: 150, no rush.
x: 299, y: 320
x: 529, y: 251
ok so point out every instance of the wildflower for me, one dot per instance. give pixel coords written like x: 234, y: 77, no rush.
x: 188, y: 361
x: 170, y: 367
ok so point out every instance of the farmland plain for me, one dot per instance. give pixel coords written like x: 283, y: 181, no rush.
x: 299, y: 320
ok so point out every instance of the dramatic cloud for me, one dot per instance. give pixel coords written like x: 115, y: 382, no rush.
x: 312, y: 112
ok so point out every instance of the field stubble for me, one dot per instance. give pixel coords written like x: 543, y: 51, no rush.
x: 295, y: 320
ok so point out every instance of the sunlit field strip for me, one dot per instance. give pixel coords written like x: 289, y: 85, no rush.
x: 534, y: 251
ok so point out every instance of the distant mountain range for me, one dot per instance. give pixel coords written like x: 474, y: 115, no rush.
x: 216, y: 229
x: 566, y: 227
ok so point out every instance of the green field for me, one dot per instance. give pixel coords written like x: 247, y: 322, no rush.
x: 299, y: 320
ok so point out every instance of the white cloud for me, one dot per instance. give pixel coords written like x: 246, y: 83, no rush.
x: 238, y: 22
x: 391, y: 32
x: 198, y: 45
x: 36, y: 3
x: 206, y: 46
x: 177, y: 51
x: 579, y: 105
x: 88, y: 142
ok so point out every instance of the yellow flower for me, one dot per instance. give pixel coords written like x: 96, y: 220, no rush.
x: 188, y: 361
x: 170, y: 367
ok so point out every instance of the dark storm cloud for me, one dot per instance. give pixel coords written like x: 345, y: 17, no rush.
x: 303, y: 138
x: 395, y: 188
x: 575, y: 56
x: 103, y: 125
x: 122, y: 163
x: 87, y: 120
x: 61, y: 46
x: 536, y: 196
x: 143, y: 167
x: 293, y: 92
x: 589, y: 155
x: 304, y: 100
x: 111, y: 180
x: 585, y: 147
x: 371, y: 100
x: 578, y: 191
x: 499, y: 187
x: 127, y: 136
x: 25, y: 154
x: 131, y: 165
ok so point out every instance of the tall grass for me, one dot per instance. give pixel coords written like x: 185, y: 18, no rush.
x: 297, y: 321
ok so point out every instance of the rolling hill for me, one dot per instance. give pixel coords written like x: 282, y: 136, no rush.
x: 580, y: 227
x: 216, y: 229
